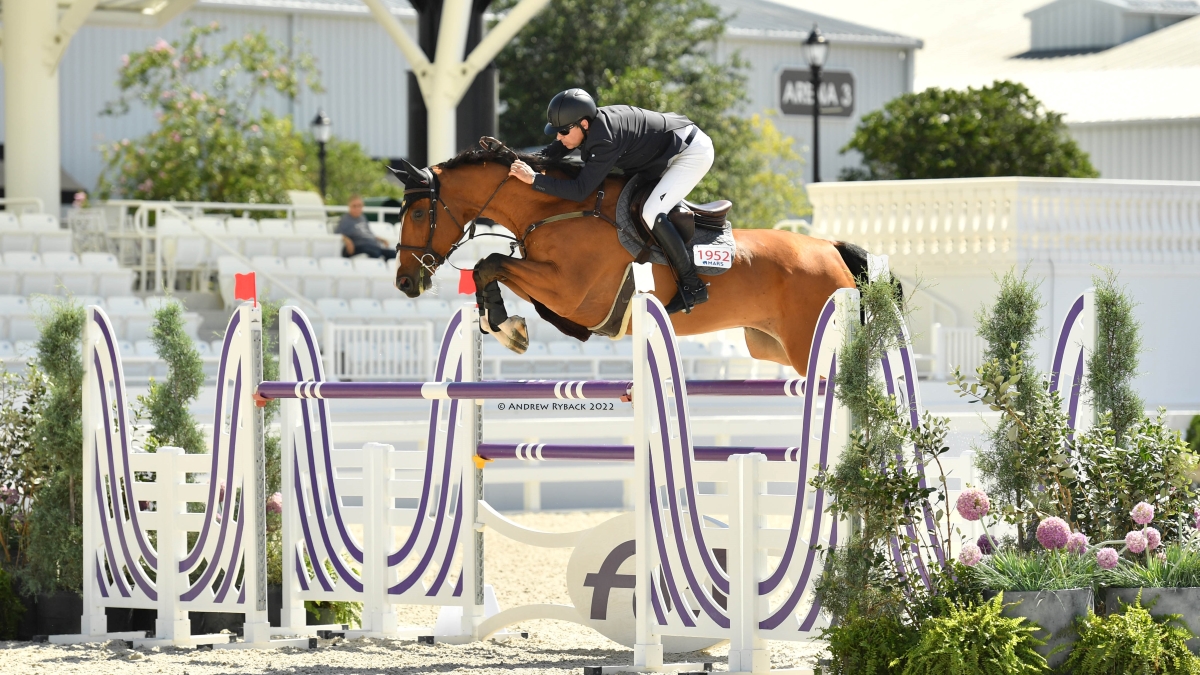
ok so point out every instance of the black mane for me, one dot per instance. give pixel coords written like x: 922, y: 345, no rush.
x: 504, y: 156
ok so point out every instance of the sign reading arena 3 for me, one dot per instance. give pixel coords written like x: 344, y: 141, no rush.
x: 796, y: 92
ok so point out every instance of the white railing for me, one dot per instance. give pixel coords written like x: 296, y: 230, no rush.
x: 958, y: 348
x: 993, y: 223
x: 398, y: 352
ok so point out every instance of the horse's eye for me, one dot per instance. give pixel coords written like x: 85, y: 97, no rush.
x: 418, y: 214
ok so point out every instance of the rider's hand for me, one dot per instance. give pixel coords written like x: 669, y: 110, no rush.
x: 521, y: 171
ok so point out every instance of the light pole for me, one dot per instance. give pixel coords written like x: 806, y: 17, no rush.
x: 816, y: 50
x: 322, y: 130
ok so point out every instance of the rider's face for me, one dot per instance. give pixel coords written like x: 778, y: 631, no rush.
x: 573, y: 138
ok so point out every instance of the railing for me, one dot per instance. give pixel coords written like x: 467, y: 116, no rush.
x: 958, y: 348
x: 993, y: 223
x: 401, y: 352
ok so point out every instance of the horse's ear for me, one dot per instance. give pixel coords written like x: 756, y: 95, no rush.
x: 490, y: 144
x: 410, y: 175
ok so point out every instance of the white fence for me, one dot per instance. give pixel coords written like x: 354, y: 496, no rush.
x: 954, y: 348
x: 399, y: 352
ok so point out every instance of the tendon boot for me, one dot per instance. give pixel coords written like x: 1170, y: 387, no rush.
x: 692, y: 291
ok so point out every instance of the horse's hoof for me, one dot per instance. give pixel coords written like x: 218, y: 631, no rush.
x: 514, y: 334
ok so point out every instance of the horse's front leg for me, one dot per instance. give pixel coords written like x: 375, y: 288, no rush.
x: 510, y: 331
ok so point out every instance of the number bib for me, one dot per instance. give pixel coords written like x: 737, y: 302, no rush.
x: 713, y: 255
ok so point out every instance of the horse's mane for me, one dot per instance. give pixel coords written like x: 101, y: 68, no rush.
x: 505, y: 156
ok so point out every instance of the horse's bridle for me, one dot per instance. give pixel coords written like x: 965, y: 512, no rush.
x: 426, y: 255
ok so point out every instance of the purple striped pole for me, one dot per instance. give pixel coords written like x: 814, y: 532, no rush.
x: 618, y: 453
x: 520, y: 389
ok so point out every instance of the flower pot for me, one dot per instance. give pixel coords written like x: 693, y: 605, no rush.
x: 1054, y: 612
x: 1160, y: 602
x: 59, y: 613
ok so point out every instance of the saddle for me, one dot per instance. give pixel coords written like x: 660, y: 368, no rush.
x: 685, y: 216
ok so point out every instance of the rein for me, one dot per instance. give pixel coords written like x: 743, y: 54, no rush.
x: 431, y: 260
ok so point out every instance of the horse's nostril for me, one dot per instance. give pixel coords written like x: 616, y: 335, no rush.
x: 404, y: 283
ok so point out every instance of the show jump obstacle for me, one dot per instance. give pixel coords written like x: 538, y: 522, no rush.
x: 708, y: 554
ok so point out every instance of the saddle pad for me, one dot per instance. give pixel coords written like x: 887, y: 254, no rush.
x: 627, y: 232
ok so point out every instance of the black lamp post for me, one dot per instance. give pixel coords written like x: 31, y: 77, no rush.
x: 322, y: 131
x: 816, y: 50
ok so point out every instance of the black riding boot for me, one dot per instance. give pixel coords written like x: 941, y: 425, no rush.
x: 692, y: 291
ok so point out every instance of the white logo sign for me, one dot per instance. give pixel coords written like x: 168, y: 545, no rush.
x: 713, y: 255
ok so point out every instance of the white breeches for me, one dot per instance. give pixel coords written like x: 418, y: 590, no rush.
x: 684, y: 172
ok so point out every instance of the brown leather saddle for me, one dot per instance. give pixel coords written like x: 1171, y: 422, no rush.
x: 685, y: 216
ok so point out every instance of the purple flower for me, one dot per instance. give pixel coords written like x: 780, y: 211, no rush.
x: 1077, y: 543
x: 1196, y: 518
x: 970, y: 555
x: 1153, y: 538
x: 1142, y: 513
x: 275, y: 503
x: 10, y: 495
x: 973, y: 504
x: 1135, y: 541
x: 986, y: 544
x: 1053, y: 533
x: 1107, y: 558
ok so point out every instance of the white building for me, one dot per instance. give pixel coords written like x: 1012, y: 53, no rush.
x: 365, y: 75
x: 1124, y: 72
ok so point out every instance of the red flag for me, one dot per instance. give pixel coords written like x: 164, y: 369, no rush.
x: 466, y: 282
x: 244, y: 288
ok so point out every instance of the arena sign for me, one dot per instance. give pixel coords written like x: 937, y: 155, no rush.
x: 796, y: 92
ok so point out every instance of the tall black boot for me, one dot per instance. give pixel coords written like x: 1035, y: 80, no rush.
x: 692, y: 291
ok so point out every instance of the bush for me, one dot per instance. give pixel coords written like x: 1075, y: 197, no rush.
x: 1131, y: 643
x: 1178, y: 567
x: 11, y: 608
x: 974, y: 639
x: 1036, y: 571
x: 869, y: 646
x: 167, y: 403
x: 997, y: 130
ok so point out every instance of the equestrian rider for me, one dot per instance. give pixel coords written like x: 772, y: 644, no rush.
x: 664, y: 145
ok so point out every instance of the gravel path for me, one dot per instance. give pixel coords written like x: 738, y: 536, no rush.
x: 520, y: 574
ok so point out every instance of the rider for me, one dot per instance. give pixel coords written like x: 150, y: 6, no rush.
x: 665, y: 145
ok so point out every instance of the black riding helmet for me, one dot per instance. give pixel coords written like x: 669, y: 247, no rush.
x: 567, y: 108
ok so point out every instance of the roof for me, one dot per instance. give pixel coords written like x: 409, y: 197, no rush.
x: 1165, y: 7
x: 762, y: 18
x: 337, y: 6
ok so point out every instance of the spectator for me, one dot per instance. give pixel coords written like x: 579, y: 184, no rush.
x: 357, y: 237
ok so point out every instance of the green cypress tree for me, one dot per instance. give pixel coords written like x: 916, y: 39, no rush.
x: 1113, y: 365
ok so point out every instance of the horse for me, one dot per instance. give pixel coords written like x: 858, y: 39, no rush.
x: 573, y: 267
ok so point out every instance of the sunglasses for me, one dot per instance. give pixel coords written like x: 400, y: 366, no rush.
x: 567, y: 129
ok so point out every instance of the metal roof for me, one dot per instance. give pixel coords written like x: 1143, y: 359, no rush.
x: 762, y: 18
x: 339, y: 6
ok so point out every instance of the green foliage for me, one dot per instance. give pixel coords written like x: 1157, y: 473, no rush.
x: 996, y: 130
x: 1025, y: 462
x: 1151, y: 463
x: 349, y: 171
x: 1113, y: 365
x: 657, y: 55
x: 1193, y: 434
x: 1131, y: 642
x: 1036, y: 571
x: 166, y: 403
x: 1178, y: 567
x: 974, y: 639
x: 216, y: 141
x: 11, y: 608
x: 23, y: 397
x: 869, y: 646
x: 55, y: 535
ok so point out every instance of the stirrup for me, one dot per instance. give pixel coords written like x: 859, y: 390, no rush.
x: 685, y: 303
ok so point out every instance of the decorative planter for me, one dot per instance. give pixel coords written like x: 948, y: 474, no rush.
x: 1160, y: 602
x: 1054, y: 612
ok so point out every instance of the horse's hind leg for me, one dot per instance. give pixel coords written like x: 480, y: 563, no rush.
x: 510, y: 331
x: 765, y: 347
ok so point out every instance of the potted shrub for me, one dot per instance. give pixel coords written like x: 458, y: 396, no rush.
x: 1131, y: 641
x: 1166, y: 580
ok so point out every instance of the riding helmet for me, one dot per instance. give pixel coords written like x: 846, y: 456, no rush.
x: 567, y: 108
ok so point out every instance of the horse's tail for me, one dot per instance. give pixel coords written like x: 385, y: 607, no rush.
x: 856, y: 261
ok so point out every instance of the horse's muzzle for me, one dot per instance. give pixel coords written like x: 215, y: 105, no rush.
x: 408, y: 285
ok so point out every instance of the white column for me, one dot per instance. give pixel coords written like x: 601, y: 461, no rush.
x: 172, y: 623
x: 31, y: 115
x: 748, y: 652
x: 94, y: 621
x: 257, y: 628
x: 291, y: 613
x: 466, y: 442
x: 647, y: 647
x: 379, y: 614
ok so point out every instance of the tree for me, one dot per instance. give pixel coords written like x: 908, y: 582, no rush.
x: 217, y: 138
x: 998, y: 130
x: 654, y: 54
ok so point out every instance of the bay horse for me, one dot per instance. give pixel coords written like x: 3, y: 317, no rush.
x: 572, y: 268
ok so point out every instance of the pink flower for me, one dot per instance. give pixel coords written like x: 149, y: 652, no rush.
x: 124, y: 60
x: 970, y: 555
x: 1053, y: 533
x: 275, y: 503
x: 1077, y: 543
x: 1142, y: 513
x: 175, y: 137
x: 162, y: 46
x: 197, y: 96
x: 1107, y: 558
x: 11, y: 495
x: 254, y: 128
x: 146, y: 186
x: 986, y: 544
x: 973, y: 504
x: 221, y: 111
x: 1196, y: 518
x: 1153, y: 538
x: 1135, y: 541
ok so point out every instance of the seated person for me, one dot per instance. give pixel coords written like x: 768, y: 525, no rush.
x: 357, y: 236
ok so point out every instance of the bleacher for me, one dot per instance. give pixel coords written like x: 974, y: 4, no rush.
x: 351, y: 301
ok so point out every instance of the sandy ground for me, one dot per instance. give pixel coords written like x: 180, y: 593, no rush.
x: 520, y: 574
